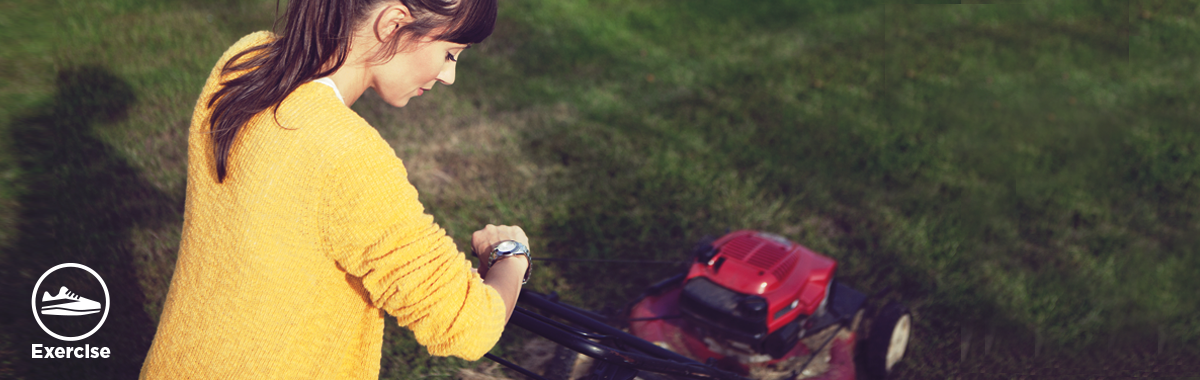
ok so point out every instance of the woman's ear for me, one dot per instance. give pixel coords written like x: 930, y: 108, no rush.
x: 391, y: 18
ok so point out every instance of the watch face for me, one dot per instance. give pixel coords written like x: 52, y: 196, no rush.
x: 506, y: 246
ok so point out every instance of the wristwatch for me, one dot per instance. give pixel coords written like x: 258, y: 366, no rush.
x: 510, y: 248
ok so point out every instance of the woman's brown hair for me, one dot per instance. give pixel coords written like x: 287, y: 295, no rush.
x: 316, y: 33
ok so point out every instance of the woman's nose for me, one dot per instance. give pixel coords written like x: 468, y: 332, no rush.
x: 447, y: 74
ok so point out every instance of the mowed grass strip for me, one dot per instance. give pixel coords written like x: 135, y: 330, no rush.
x: 1022, y: 170
x: 1001, y: 167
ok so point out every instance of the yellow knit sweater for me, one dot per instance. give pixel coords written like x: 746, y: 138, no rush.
x: 286, y: 268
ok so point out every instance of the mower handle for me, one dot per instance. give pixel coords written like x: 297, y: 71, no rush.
x: 572, y: 340
x: 552, y: 308
x: 655, y: 359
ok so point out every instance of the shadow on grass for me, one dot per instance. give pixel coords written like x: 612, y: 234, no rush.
x: 79, y: 203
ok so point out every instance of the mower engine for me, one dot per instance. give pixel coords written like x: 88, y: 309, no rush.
x: 755, y: 294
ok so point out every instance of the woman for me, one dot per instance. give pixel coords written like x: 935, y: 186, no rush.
x: 300, y: 227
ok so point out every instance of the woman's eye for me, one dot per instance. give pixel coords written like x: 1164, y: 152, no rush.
x: 450, y: 57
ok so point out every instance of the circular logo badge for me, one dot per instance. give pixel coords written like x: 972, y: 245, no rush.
x: 60, y: 302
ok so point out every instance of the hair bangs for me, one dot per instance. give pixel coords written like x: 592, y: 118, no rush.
x: 472, y: 22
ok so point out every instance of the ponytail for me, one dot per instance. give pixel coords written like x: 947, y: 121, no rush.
x: 319, y: 32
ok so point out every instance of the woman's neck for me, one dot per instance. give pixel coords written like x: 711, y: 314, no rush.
x: 353, y: 78
x: 351, y: 82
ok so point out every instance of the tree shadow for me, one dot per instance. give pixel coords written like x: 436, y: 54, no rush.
x: 79, y: 202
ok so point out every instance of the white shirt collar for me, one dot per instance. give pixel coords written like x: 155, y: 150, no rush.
x: 329, y: 82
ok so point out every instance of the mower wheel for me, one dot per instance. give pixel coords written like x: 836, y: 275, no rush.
x: 888, y: 338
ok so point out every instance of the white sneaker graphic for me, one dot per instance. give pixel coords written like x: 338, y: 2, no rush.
x: 76, y: 306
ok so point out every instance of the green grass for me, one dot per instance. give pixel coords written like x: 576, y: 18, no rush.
x: 1021, y: 170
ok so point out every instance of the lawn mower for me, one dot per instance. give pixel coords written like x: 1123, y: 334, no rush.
x: 751, y: 305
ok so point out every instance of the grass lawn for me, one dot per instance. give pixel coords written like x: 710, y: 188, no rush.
x: 1023, y: 173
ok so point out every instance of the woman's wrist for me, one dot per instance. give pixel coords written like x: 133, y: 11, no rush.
x: 507, y: 249
x: 493, y: 242
x: 505, y: 276
x: 516, y: 262
x: 517, y: 265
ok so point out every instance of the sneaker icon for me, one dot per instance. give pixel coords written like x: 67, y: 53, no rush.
x: 75, y: 306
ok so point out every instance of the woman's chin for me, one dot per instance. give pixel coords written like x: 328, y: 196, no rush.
x: 399, y: 103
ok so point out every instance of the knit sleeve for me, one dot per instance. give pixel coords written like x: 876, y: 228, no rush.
x: 377, y: 230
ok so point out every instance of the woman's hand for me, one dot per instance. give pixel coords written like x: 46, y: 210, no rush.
x: 483, y: 240
x: 507, y: 275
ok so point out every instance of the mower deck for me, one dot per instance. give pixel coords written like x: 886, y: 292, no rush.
x: 752, y: 305
x: 655, y: 319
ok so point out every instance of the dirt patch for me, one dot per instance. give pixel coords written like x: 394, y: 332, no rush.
x: 455, y: 150
x: 486, y: 370
x: 536, y: 355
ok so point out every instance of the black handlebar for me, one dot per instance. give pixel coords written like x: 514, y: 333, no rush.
x: 651, y: 358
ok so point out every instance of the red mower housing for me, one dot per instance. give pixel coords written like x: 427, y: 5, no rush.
x: 755, y: 291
